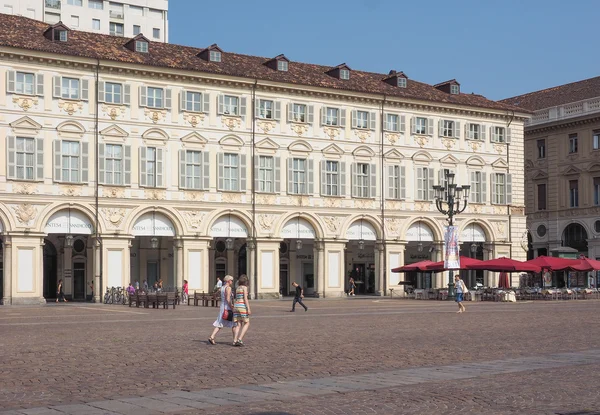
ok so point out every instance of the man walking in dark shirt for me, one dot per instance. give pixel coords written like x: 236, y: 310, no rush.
x: 298, y: 298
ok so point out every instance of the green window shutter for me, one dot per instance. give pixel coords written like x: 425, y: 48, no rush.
x: 468, y: 134
x: 39, y: 157
x: 126, y: 94
x: 373, y: 174
x: 220, y: 104
x: 493, y: 136
x: 430, y: 126
x: 11, y: 150
x: 311, y: 113
x: 143, y: 172
x: 311, y: 177
x: 39, y: 84
x: 342, y: 119
x: 413, y: 125
x: 127, y: 167
x: 257, y: 108
x: 206, y: 170
x: 290, y: 175
x: 242, y: 171
x: 391, y: 182
x: 84, y: 89
x: 143, y: 96
x: 354, y: 119
x: 354, y: 178
x: 473, y: 195
x: 456, y: 129
x: 101, y: 164
x: 277, y: 110
x: 221, y: 181
x: 483, y: 187
x: 342, y: 178
x: 277, y: 174
x: 205, y: 102
x: 441, y: 128
x: 159, y: 168
x: 419, y: 184
x: 509, y: 189
x: 323, y: 177
x: 482, y: 129
x: 167, y: 98
x: 402, y: 182
x: 256, y: 172
x: 57, y: 82
x: 403, y: 123
x: 85, y: 162
x: 101, y: 86
x: 11, y: 77
x: 182, y: 170
x: 57, y: 160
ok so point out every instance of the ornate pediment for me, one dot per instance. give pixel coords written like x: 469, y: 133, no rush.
x: 539, y: 175
x: 422, y: 156
x: 571, y: 171
x: 194, y: 138
x: 500, y: 164
x: 156, y: 134
x: 363, y: 151
x: 594, y: 167
x: 449, y: 159
x: 475, y: 161
x: 529, y: 164
x: 333, y: 150
x: 25, y: 126
x: 268, y: 145
x: 232, y: 141
x: 394, y: 155
x: 114, y: 131
x: 70, y: 129
x: 300, y: 147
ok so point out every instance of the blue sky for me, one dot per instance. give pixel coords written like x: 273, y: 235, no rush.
x: 495, y: 48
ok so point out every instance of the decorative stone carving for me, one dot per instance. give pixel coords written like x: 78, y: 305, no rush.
x: 499, y: 148
x: 231, y: 198
x: 448, y: 142
x: 113, y: 111
x: 299, y: 200
x: 393, y: 226
x: 475, y: 208
x: 573, y: 156
x: 500, y: 228
x: 539, y: 215
x: 392, y: 137
x: 299, y: 129
x: 114, y: 216
x: 155, y: 115
x: 266, y: 221
x: 474, y: 144
x: 423, y: 206
x: 363, y: 135
x: 332, y: 222
x: 194, y: 218
x: 265, y: 199
x: 193, y: 119
x: 112, y: 192
x: 71, y: 190
x: 25, y: 188
x: 266, y: 126
x: 194, y: 195
x: 363, y: 204
x: 331, y: 132
x: 499, y: 210
x: 332, y: 202
x: 421, y: 140
x: 155, y: 194
x: 25, y: 103
x: 70, y: 107
x: 393, y: 205
x: 25, y: 213
x: 231, y: 122
x: 517, y: 210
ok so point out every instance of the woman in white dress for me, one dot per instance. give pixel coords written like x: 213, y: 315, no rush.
x: 226, y: 304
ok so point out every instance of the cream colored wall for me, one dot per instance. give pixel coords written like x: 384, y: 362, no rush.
x: 193, y: 212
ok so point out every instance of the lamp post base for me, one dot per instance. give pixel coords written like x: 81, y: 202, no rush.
x: 451, y: 286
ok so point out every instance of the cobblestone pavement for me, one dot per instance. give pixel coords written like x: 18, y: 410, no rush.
x: 127, y: 360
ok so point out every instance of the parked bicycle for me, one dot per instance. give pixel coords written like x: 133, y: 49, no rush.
x: 116, y: 295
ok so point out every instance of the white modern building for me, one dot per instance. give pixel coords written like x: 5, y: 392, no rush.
x: 125, y: 159
x: 126, y: 18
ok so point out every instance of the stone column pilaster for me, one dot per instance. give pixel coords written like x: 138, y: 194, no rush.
x: 8, y: 274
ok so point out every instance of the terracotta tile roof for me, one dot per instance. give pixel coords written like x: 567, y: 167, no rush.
x: 558, y: 95
x: 24, y: 33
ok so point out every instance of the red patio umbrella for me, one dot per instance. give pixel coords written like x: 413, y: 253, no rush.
x: 465, y: 263
x: 553, y: 263
x: 503, y: 280
x: 586, y: 264
x: 507, y: 265
x: 414, y: 267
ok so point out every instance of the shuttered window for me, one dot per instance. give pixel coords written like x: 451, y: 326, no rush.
x: 154, y: 97
x: 332, y: 178
x: 25, y: 83
x: 475, y: 131
x: 113, y: 159
x: 501, y: 184
x: 421, y: 125
x: 25, y: 158
x: 331, y: 116
x: 231, y: 172
x: 266, y: 174
x: 300, y: 113
x: 194, y: 170
x: 396, y: 182
x: 424, y: 183
x: 193, y: 101
x: 70, y: 88
x: 231, y: 105
x: 364, y: 180
x: 299, y: 176
x: 498, y: 134
x: 70, y: 161
x: 267, y: 109
x: 478, y: 191
x: 151, y: 167
x: 449, y: 128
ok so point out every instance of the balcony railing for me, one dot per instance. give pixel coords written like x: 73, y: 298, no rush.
x: 53, y: 4
x: 561, y: 112
x: 115, y: 14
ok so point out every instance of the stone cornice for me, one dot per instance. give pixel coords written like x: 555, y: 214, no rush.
x: 203, y: 78
x: 562, y: 125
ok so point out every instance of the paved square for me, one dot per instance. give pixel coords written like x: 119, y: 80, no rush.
x: 343, y: 356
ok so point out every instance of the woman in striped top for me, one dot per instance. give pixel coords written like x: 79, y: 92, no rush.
x: 241, y: 311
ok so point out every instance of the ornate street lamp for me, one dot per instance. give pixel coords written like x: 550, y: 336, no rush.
x: 450, y: 200
x: 69, y: 241
x: 154, y: 242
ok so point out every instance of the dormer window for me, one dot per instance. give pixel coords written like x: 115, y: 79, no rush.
x: 454, y: 89
x: 344, y: 74
x: 57, y: 32
x: 397, y: 79
x: 141, y: 46
x: 401, y: 82
x: 342, y: 71
x: 282, y: 65
x: 450, y: 87
x: 60, y: 35
x: 215, y: 56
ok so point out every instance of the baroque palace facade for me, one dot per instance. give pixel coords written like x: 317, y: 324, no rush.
x: 126, y: 159
x: 562, y: 166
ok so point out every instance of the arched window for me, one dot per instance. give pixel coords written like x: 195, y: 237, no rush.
x: 575, y: 236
